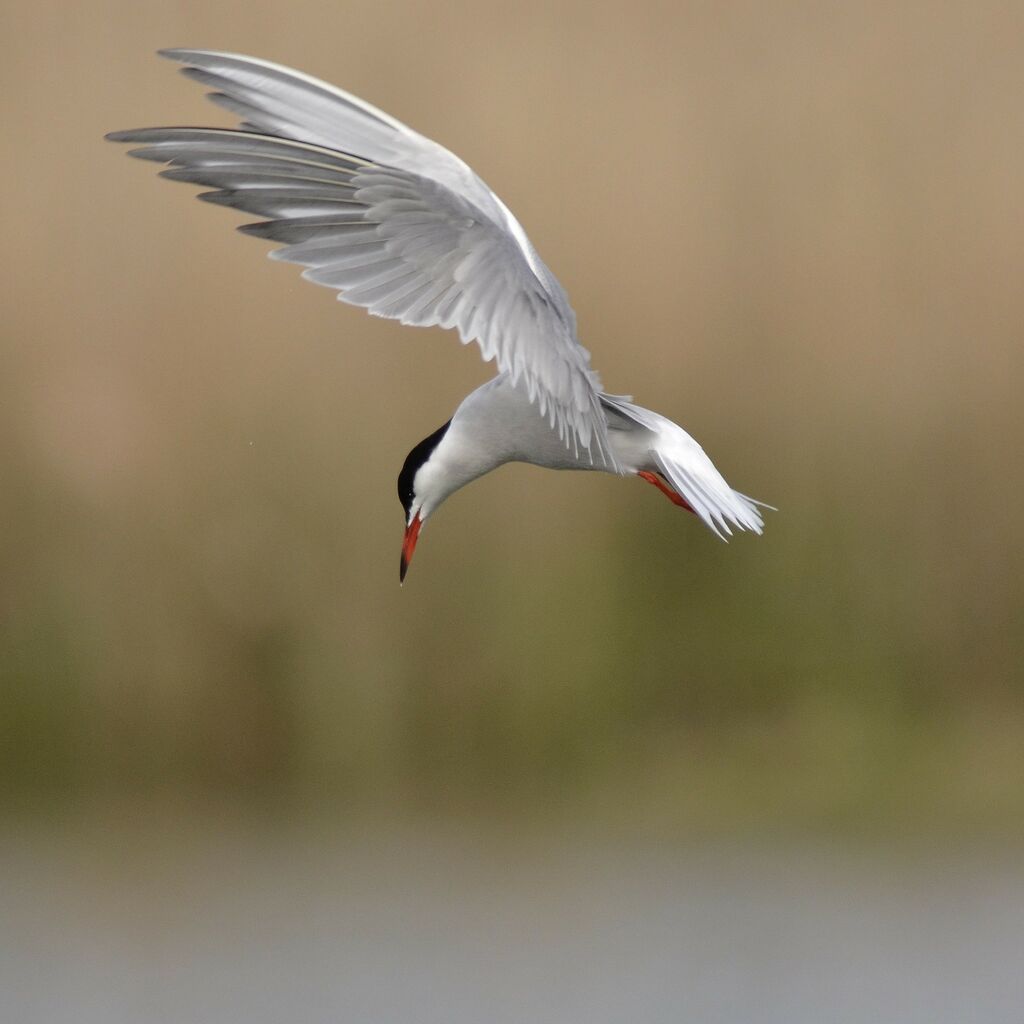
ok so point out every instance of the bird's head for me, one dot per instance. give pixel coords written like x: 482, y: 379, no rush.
x: 422, y: 485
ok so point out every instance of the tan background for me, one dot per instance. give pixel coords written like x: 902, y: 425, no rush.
x: 794, y: 227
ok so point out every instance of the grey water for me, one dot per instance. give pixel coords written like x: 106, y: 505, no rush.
x: 222, y: 924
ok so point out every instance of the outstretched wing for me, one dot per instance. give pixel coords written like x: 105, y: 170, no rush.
x: 396, y: 223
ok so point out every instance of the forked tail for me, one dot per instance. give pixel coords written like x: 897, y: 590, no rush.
x: 704, y: 489
x: 684, y: 465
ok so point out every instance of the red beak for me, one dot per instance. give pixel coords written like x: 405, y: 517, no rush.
x: 412, y: 533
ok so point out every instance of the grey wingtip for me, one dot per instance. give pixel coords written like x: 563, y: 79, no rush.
x: 192, y: 55
x: 219, y: 198
x: 261, y: 229
x: 145, y: 135
x: 182, y: 54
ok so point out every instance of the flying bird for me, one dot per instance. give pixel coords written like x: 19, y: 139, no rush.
x: 399, y: 225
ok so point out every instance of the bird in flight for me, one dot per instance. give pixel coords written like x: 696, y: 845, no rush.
x: 399, y: 225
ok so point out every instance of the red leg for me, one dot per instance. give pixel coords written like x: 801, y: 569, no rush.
x: 673, y: 496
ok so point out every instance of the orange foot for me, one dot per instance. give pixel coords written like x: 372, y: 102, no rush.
x: 673, y: 496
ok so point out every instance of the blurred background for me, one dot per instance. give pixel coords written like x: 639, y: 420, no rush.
x: 589, y: 764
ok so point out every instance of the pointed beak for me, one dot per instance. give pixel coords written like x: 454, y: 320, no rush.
x: 412, y: 533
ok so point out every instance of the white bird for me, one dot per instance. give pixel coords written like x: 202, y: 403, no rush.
x: 401, y: 226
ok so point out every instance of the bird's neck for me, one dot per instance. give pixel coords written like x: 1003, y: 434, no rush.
x: 459, y: 459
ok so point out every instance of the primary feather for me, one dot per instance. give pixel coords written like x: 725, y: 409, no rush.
x: 393, y: 221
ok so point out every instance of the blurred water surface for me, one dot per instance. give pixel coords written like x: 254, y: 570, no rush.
x: 227, y: 923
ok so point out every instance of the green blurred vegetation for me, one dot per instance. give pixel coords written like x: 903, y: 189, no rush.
x: 794, y: 230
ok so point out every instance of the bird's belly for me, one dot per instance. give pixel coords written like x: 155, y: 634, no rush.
x: 541, y: 446
x: 501, y: 421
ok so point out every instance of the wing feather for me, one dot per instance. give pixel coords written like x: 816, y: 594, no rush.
x: 395, y: 222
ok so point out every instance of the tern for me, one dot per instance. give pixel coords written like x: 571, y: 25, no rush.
x: 399, y: 225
